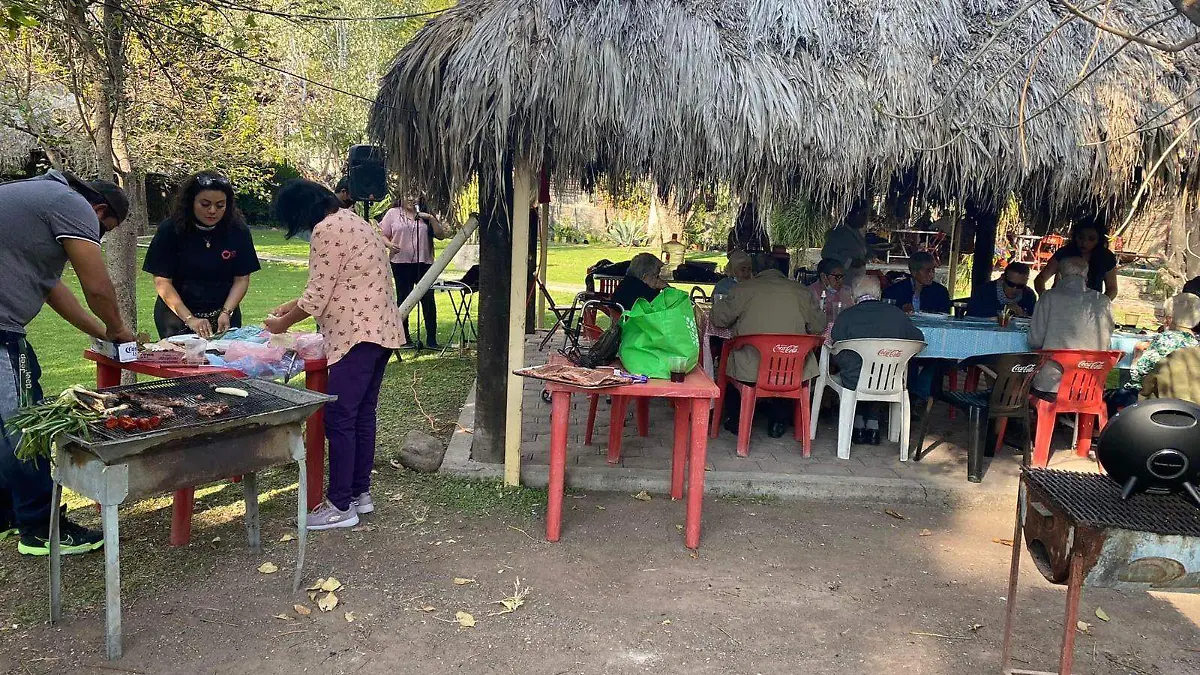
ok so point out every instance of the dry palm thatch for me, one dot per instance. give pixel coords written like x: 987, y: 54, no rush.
x: 794, y: 98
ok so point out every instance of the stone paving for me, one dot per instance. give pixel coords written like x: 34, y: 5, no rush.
x: 775, y: 466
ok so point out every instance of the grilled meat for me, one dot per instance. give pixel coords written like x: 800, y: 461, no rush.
x: 212, y: 409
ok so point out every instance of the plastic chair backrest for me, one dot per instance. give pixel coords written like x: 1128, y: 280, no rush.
x: 608, y: 286
x: 781, y: 358
x: 1083, y: 377
x: 1048, y: 245
x: 589, y: 328
x: 884, y: 363
x: 1014, y: 376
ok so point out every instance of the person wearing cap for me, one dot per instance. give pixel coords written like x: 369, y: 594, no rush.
x: 201, y: 257
x: 46, y: 222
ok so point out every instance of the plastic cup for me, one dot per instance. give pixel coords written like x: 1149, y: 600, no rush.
x: 678, y: 367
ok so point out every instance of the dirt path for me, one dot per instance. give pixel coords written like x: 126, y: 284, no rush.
x: 777, y: 588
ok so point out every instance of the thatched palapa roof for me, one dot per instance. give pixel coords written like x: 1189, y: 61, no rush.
x: 785, y: 98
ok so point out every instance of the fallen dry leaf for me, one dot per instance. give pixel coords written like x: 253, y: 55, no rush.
x: 330, y: 585
x: 363, y: 528
x: 642, y: 496
x: 599, y: 508
x: 301, y: 609
x: 666, y: 622
x: 328, y: 603
x: 287, y: 537
x: 464, y: 619
x: 312, y: 596
x: 429, y: 608
x: 316, y: 585
x: 396, y: 497
x: 678, y: 527
x: 462, y: 581
x: 974, y: 628
x: 1100, y: 614
x: 896, y: 514
x: 1083, y: 626
x: 216, y: 541
x: 924, y: 533
x: 350, y: 617
x: 396, y: 464
x: 514, y: 601
x: 268, y: 568
x: 283, y: 617
x: 1002, y: 542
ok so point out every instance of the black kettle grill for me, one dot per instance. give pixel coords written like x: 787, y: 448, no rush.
x: 1153, y: 446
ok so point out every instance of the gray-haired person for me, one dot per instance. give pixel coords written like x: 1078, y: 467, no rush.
x: 46, y: 222
x: 920, y: 292
x: 643, y: 279
x: 869, y: 318
x: 1069, y: 316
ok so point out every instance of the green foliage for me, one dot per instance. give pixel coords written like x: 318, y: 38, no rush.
x: 565, y: 230
x: 18, y: 14
x: 626, y: 233
x: 799, y: 225
x: 1157, y: 288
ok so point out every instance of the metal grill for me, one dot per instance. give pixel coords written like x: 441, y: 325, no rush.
x: 195, y: 390
x: 1095, y: 500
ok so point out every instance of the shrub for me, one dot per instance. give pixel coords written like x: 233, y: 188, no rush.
x: 627, y: 233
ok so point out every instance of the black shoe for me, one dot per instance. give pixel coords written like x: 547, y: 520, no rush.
x: 731, y: 425
x: 871, y: 436
x: 776, y: 429
x: 856, y: 437
x: 408, y: 345
x: 433, y: 344
x: 73, y: 538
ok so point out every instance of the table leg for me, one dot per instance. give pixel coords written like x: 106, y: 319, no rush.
x: 112, y: 581
x: 314, y: 434
x: 616, y: 427
x: 1074, y: 591
x: 696, y: 461
x: 182, y: 507
x: 301, y: 529
x: 55, y: 554
x: 1014, y: 571
x: 560, y: 411
x: 641, y: 415
x: 679, y: 450
x: 107, y: 376
x: 250, y: 492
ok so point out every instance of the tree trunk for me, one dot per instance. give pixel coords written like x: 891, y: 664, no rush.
x: 495, y: 280
x: 986, y: 220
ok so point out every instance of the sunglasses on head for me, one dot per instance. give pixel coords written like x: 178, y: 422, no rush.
x: 210, y: 181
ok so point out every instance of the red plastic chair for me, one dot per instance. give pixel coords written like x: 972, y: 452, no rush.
x: 780, y: 375
x: 1081, y: 393
x: 606, y: 286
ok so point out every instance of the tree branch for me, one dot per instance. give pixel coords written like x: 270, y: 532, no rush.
x: 1132, y: 37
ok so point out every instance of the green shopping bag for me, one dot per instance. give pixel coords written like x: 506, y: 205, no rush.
x: 652, y: 332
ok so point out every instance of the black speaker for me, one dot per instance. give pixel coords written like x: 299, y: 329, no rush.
x: 368, y: 178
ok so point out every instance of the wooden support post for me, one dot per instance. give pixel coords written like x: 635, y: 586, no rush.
x: 986, y: 220
x: 522, y: 194
x: 495, y: 261
x: 955, y: 234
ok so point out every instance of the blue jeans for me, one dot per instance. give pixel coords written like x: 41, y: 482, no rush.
x: 25, y: 487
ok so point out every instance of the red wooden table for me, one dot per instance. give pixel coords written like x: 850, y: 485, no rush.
x: 316, y: 378
x: 692, y: 399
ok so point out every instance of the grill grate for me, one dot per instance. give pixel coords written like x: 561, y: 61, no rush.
x: 1095, y: 500
x: 187, y: 389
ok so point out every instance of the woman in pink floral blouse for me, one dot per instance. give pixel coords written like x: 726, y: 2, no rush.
x: 351, y: 296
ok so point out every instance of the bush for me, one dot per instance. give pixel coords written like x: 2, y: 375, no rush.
x: 627, y: 233
x: 566, y: 232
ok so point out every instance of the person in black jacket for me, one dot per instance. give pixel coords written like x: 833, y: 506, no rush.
x: 1010, y: 290
x: 920, y: 292
x: 643, y: 280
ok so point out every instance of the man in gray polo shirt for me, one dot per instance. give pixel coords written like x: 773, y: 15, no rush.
x: 46, y: 222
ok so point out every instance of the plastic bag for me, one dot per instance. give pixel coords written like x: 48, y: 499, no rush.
x: 652, y: 332
x: 259, y: 352
x: 310, y: 346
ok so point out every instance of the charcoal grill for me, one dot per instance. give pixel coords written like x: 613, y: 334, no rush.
x: 1081, y: 532
x: 112, y: 466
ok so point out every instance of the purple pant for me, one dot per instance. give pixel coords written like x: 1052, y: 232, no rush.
x: 350, y: 421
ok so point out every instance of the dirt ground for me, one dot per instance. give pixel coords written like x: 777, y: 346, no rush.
x: 777, y: 587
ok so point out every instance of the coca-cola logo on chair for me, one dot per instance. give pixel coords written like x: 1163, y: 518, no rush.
x: 1091, y: 365
x: 787, y: 349
x: 1025, y: 369
x: 890, y: 353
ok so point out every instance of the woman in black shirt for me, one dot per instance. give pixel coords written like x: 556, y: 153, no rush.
x: 201, y: 258
x: 1088, y: 241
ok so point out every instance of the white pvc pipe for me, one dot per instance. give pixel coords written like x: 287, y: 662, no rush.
x: 439, y: 265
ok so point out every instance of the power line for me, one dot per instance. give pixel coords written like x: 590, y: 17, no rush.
x: 318, y: 17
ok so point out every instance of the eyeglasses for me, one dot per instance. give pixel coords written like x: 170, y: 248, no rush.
x: 836, y: 276
x: 209, y: 181
x: 1011, y: 284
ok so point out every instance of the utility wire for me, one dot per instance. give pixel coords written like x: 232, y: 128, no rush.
x: 318, y: 17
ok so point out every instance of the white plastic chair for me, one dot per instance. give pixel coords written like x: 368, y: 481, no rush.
x: 883, y: 377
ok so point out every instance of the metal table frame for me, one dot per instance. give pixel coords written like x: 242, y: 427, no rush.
x: 461, y: 299
x: 131, y: 478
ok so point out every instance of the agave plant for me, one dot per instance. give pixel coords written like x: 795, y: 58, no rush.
x: 627, y: 233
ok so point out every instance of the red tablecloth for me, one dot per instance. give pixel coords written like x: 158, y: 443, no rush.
x: 316, y: 378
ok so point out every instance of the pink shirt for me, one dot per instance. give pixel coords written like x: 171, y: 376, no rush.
x: 410, y: 234
x: 350, y: 291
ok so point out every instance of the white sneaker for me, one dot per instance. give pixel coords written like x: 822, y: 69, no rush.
x: 327, y: 517
x: 363, y: 503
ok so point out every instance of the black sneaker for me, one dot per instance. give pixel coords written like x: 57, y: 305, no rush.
x: 73, y: 538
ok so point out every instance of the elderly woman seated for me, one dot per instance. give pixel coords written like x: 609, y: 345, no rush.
x: 1180, y: 315
x: 643, y: 279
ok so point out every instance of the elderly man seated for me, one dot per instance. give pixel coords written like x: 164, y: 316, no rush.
x: 1069, y: 316
x: 1011, y: 290
x: 869, y: 318
x: 919, y: 292
x: 767, y: 303
x: 739, y: 268
x: 643, y: 279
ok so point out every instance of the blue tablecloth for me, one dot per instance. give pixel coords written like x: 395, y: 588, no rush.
x: 958, y: 339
